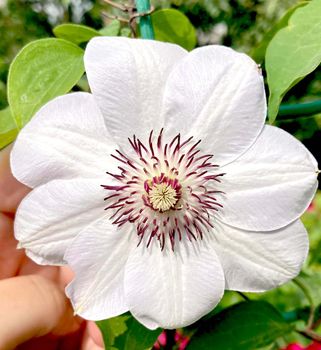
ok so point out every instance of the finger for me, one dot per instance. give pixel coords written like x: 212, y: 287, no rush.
x: 10, y: 257
x: 95, y: 333
x: 30, y: 307
x: 66, y: 275
x: 11, y: 191
x: 28, y: 267
x: 89, y: 343
x: 13, y: 261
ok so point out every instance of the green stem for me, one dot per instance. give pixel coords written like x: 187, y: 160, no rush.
x: 245, y: 297
x: 306, y: 292
x: 310, y: 335
x: 145, y: 22
x: 289, y: 111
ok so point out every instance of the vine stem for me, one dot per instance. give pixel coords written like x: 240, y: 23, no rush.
x: 145, y: 21
x: 245, y: 297
x: 297, y: 110
x: 310, y: 299
x: 307, y: 333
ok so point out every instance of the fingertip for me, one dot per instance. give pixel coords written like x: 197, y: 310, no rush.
x: 91, y: 341
x: 95, y: 333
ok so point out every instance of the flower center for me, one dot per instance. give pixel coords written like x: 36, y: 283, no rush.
x: 163, y: 193
x: 164, y: 190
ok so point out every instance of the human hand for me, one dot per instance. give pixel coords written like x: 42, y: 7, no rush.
x: 34, y: 311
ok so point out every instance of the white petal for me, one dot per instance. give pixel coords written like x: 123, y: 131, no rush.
x: 216, y: 94
x: 50, y: 217
x: 127, y: 78
x: 270, y: 185
x: 67, y: 138
x: 258, y: 261
x: 173, y: 289
x: 98, y: 256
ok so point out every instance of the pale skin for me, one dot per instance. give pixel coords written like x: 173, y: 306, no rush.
x: 34, y: 311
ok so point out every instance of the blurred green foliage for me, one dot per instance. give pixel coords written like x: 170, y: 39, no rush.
x: 22, y: 21
x: 238, y: 23
x: 246, y: 21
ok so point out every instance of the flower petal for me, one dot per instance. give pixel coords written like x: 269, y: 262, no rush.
x: 53, y: 214
x: 98, y: 256
x: 217, y: 95
x: 65, y: 139
x: 270, y: 185
x: 258, y: 261
x: 127, y: 77
x: 173, y: 289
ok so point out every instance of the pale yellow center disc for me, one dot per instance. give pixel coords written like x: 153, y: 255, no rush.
x: 162, y: 197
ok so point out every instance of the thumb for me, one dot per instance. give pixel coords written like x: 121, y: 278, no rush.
x: 30, y: 307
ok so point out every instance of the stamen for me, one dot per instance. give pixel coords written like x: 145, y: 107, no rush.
x: 162, y: 197
x: 166, y: 190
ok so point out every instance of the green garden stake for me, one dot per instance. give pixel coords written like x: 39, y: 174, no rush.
x: 145, y: 22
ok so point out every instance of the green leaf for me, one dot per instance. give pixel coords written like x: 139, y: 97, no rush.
x: 125, y: 32
x: 8, y: 128
x: 173, y: 26
x: 137, y: 337
x: 258, y: 53
x: 76, y: 33
x: 112, y: 328
x: 112, y: 29
x: 125, y: 333
x: 42, y: 70
x: 244, y: 326
x: 293, y: 53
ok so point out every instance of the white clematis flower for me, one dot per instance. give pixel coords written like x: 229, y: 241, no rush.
x: 200, y: 196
